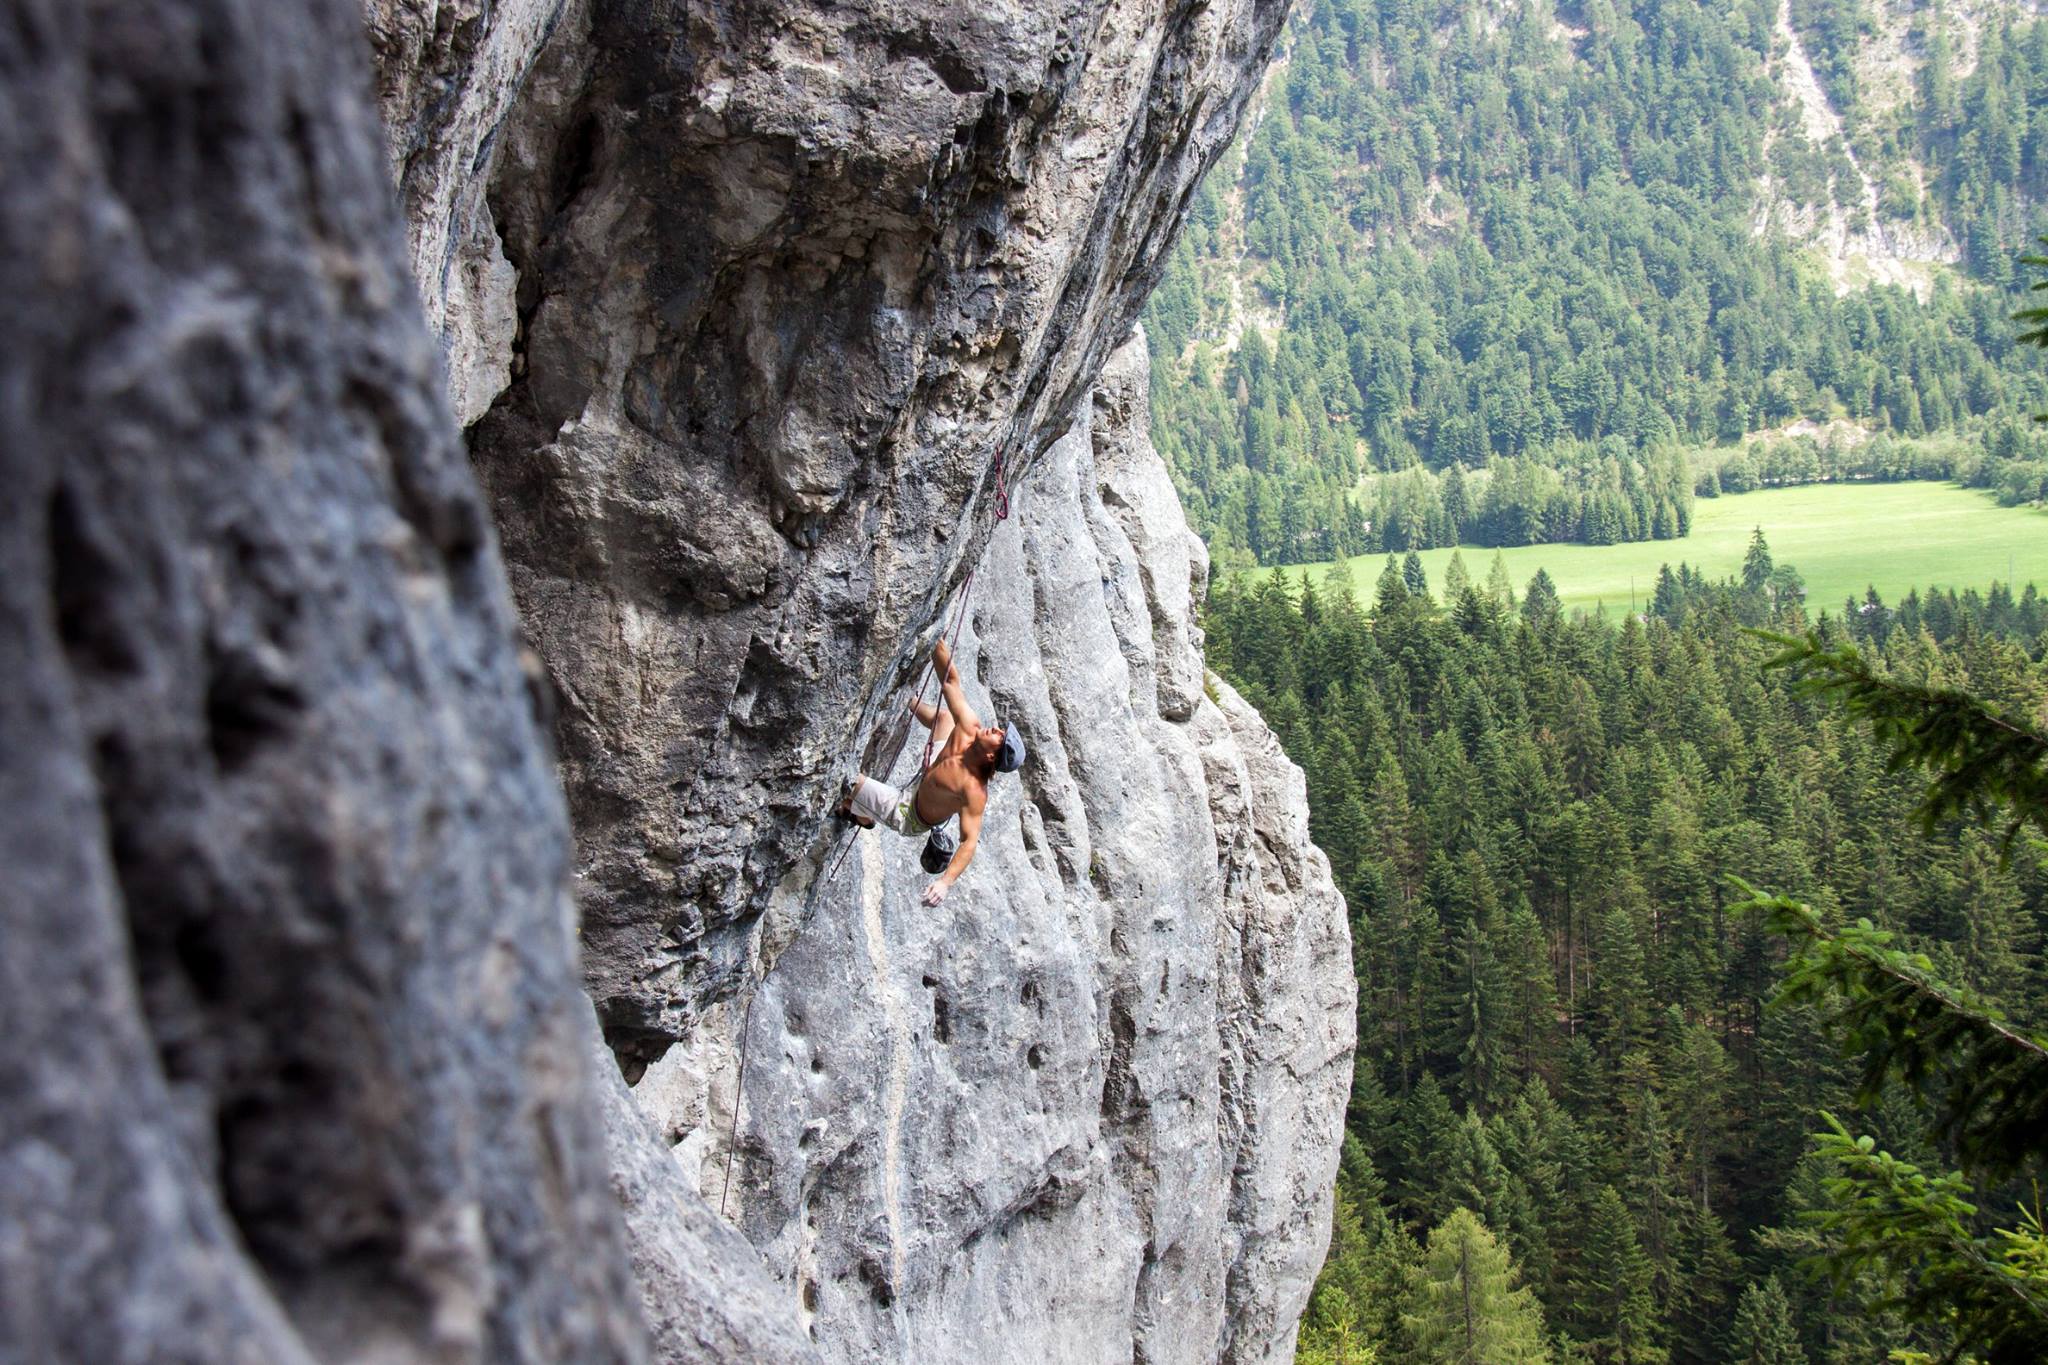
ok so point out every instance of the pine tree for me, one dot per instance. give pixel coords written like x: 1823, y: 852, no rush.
x: 1619, y: 994
x: 1473, y: 1177
x: 1427, y: 1137
x: 1705, y: 1271
x: 1499, y: 586
x: 1475, y: 613
x: 1456, y: 579
x: 1699, y: 1075
x: 1652, y: 1200
x: 1391, y: 818
x: 1617, y: 1319
x: 1347, y: 838
x: 1413, y: 576
x: 1464, y: 1305
x: 1763, y: 1333
x: 1529, y: 1136
x: 1582, y: 1081
x: 1390, y: 593
x: 1540, y: 606
x: 1482, y: 1028
x: 1531, y: 990
x: 1457, y: 510
x: 1756, y: 563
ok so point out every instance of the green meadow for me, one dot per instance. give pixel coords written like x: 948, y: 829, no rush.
x: 1840, y: 537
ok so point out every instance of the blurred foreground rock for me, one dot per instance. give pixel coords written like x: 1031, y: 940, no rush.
x: 293, y: 1065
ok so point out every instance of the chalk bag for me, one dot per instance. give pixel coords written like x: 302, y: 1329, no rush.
x: 938, y: 850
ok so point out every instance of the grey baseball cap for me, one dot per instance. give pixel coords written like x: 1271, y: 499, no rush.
x: 1010, y: 756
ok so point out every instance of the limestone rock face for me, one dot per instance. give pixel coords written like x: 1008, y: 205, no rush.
x: 448, y: 72
x: 704, y: 1290
x: 299, y: 1068
x: 294, y: 1064
x: 789, y: 279
x: 1087, y: 1109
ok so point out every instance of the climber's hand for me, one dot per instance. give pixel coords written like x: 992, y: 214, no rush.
x: 936, y: 892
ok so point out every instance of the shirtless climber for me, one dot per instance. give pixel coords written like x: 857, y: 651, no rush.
x: 968, y: 754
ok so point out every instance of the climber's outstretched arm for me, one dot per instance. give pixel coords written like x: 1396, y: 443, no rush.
x: 970, y: 839
x: 956, y: 696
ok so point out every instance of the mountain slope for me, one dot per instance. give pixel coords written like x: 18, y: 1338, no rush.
x: 1525, y: 240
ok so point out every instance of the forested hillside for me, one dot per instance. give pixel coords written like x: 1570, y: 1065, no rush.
x: 1508, y: 273
x: 1562, y: 1030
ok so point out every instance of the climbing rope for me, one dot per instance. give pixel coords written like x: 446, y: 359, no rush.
x: 924, y: 763
x: 739, y: 1088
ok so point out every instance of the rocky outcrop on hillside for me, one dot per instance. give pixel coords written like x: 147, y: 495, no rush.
x: 1087, y: 1109
x: 1848, y: 229
x: 746, y: 301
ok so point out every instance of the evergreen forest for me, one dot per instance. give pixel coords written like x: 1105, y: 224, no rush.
x: 1505, y: 273
x: 1583, y: 1125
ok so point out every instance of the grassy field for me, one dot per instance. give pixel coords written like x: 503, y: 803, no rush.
x: 1841, y: 538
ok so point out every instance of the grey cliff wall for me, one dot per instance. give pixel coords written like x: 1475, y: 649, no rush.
x: 1088, y: 1109
x: 741, y: 301
x: 746, y: 299
x: 788, y: 278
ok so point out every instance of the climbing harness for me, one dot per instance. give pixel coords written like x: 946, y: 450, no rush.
x: 938, y: 841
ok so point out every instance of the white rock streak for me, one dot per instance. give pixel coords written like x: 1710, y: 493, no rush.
x: 890, y: 997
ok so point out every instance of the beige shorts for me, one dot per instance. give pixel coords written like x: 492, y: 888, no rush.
x: 882, y: 804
